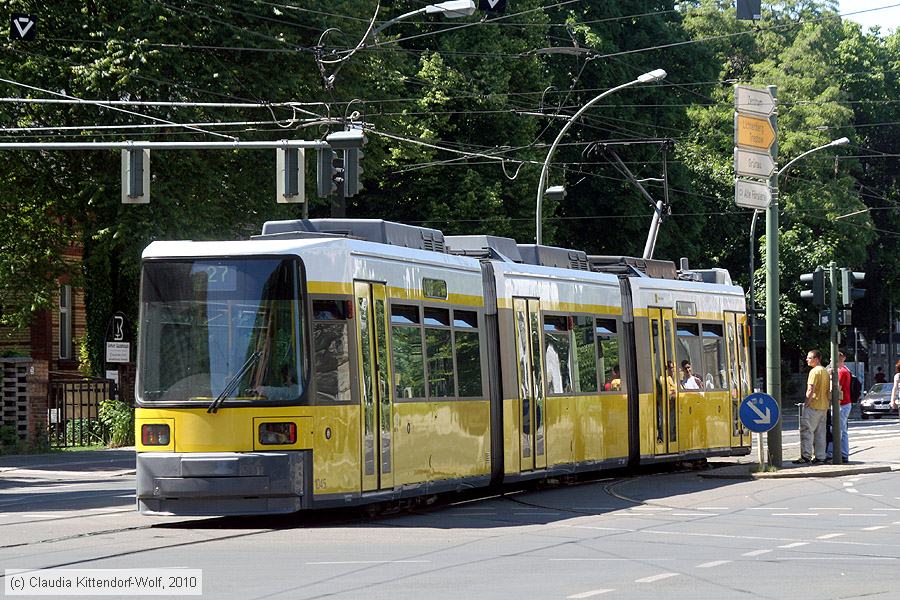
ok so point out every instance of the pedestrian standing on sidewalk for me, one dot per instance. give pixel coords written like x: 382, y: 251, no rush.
x: 895, y: 399
x: 812, y: 422
x: 844, y: 383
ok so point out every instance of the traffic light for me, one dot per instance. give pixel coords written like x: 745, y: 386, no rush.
x: 352, y: 171
x: 289, y: 175
x: 325, y: 174
x: 849, y: 291
x: 136, y: 176
x: 817, y: 293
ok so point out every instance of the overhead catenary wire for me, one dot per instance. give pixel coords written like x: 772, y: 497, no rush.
x: 115, y: 108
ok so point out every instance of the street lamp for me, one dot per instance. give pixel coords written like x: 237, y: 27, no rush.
x: 773, y: 301
x: 451, y: 9
x: 655, y: 75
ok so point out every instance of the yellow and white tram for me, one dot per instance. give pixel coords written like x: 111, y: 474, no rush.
x: 336, y: 362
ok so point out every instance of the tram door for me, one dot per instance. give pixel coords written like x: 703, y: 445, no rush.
x: 665, y: 394
x: 533, y: 453
x: 740, y: 382
x: 375, y: 389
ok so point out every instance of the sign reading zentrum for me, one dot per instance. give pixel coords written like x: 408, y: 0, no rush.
x: 755, y: 141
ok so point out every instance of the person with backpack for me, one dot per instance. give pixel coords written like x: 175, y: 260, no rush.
x: 844, y: 380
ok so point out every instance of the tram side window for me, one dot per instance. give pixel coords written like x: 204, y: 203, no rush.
x: 439, y: 352
x: 608, y: 356
x: 585, y: 375
x: 689, y: 357
x: 332, y: 351
x: 467, y: 343
x: 409, y: 365
x: 716, y: 377
x: 558, y: 354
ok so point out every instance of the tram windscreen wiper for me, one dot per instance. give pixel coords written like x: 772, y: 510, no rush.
x: 234, y: 381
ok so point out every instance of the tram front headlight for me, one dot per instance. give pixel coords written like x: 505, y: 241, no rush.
x: 155, y: 435
x: 271, y: 434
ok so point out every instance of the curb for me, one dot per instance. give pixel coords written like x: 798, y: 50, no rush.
x: 45, y: 474
x: 744, y: 472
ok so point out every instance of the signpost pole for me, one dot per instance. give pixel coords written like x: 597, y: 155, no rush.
x: 773, y: 320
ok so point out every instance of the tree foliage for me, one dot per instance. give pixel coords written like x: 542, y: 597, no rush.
x: 459, y: 115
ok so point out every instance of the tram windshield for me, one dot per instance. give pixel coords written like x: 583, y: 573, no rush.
x: 226, y: 329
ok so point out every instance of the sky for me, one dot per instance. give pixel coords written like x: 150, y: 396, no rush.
x: 888, y: 18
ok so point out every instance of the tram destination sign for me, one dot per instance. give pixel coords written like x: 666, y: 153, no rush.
x: 752, y: 194
x: 749, y: 163
x: 753, y: 100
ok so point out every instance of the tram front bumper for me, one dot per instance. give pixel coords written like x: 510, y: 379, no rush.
x: 223, y: 483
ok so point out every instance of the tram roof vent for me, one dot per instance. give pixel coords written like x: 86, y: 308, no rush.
x: 714, y: 275
x: 551, y: 256
x: 371, y: 230
x: 484, y: 247
x: 633, y: 266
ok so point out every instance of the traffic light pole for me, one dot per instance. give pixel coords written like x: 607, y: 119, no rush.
x: 836, y: 394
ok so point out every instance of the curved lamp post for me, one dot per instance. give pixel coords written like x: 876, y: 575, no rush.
x: 451, y: 9
x: 650, y: 77
x: 773, y: 301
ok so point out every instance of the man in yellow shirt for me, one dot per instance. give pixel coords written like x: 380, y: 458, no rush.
x: 812, y: 422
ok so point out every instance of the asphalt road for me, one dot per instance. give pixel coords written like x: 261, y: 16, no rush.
x: 666, y: 535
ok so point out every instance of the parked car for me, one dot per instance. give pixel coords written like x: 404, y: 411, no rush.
x: 877, y: 401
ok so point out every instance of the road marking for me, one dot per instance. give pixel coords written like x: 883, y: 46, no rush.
x: 756, y: 553
x: 365, y: 562
x: 718, y: 536
x: 653, y: 578
x: 795, y: 514
x: 848, y: 484
x: 607, y: 559
x: 859, y: 515
x: 714, y: 563
x: 787, y: 558
x: 650, y: 508
x: 883, y: 509
x: 874, y: 528
x: 828, y: 536
x: 589, y: 594
x: 473, y: 514
x: 694, y: 514
x: 770, y: 507
x: 873, y: 495
x: 712, y: 508
x: 852, y: 490
x: 43, y: 516
x: 794, y: 545
x: 831, y: 508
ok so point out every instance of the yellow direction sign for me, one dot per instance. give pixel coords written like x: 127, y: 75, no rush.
x: 753, y: 132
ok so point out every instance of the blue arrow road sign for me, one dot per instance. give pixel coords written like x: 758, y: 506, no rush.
x: 759, y: 412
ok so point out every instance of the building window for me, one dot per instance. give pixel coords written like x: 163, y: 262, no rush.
x: 65, y: 322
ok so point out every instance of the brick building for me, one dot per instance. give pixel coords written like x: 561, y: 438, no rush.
x: 31, y: 356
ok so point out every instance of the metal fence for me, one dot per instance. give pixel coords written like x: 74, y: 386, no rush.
x: 74, y: 410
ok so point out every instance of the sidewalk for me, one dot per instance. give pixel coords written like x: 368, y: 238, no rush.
x: 867, y: 455
x: 93, y: 463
